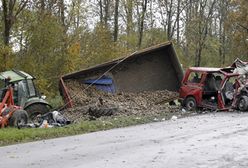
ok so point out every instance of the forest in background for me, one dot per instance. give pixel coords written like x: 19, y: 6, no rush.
x: 48, y: 38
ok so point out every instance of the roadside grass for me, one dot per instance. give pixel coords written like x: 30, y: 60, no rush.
x: 10, y: 136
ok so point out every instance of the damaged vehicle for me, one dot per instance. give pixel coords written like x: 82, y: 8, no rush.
x: 241, y: 100
x: 212, y: 88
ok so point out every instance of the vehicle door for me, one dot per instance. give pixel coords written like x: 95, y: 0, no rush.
x: 192, y: 86
x: 227, y: 92
x: 22, y: 92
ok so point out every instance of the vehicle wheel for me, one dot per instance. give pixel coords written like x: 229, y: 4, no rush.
x: 35, y: 110
x: 243, y: 103
x: 190, y: 104
x: 99, y: 112
x: 19, y: 117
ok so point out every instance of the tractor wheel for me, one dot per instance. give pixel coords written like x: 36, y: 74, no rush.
x: 36, y: 109
x: 19, y: 117
x: 190, y: 103
x: 243, y: 103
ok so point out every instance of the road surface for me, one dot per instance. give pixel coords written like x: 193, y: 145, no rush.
x: 211, y: 140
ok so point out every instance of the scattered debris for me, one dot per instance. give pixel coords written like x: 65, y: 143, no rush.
x: 183, y: 110
x: 48, y: 120
x: 93, y: 103
x: 45, y: 124
x: 54, y: 118
x: 155, y: 119
x: 174, y: 118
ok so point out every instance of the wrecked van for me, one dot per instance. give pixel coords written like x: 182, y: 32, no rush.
x: 211, y: 88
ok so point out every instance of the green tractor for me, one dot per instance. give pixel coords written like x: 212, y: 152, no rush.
x: 25, y: 93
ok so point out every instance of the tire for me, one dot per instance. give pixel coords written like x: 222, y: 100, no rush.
x: 36, y: 109
x: 190, y: 104
x: 243, y: 103
x: 19, y: 117
x: 99, y: 112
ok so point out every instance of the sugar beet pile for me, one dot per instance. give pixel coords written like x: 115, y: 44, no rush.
x: 91, y: 102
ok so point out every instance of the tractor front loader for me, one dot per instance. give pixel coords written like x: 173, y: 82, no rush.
x: 10, y: 114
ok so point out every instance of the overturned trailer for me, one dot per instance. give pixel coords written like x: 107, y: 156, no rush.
x: 151, y: 69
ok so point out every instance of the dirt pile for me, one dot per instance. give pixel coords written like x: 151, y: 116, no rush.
x: 93, y: 102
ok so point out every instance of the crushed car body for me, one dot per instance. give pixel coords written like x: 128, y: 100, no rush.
x: 215, y: 88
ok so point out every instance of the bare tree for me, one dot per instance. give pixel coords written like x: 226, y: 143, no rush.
x: 61, y: 5
x: 128, y: 8
x: 104, y: 8
x: 11, y: 10
x: 203, y: 20
x: 178, y: 20
x: 141, y: 20
x: 170, y: 13
x: 222, y: 14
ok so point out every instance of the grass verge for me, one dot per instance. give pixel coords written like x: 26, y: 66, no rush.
x: 10, y: 136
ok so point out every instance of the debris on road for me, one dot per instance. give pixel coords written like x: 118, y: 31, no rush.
x: 174, y: 118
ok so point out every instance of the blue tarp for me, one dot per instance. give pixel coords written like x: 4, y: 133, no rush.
x: 105, y: 84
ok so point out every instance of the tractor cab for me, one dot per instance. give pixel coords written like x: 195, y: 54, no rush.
x: 211, y: 88
x: 25, y: 93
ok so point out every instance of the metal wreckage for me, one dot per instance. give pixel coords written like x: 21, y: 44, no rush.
x: 216, y: 88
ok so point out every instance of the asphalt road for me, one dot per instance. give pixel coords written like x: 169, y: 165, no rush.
x: 211, y: 140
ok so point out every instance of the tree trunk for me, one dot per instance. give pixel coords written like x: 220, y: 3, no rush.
x: 203, y: 27
x: 101, y: 11
x: 42, y: 5
x: 178, y: 20
x: 10, y: 13
x: 106, y: 12
x: 129, y: 11
x: 141, y: 29
x: 7, y: 18
x: 116, y: 17
x: 169, y: 20
x: 128, y: 7
x: 62, y: 12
